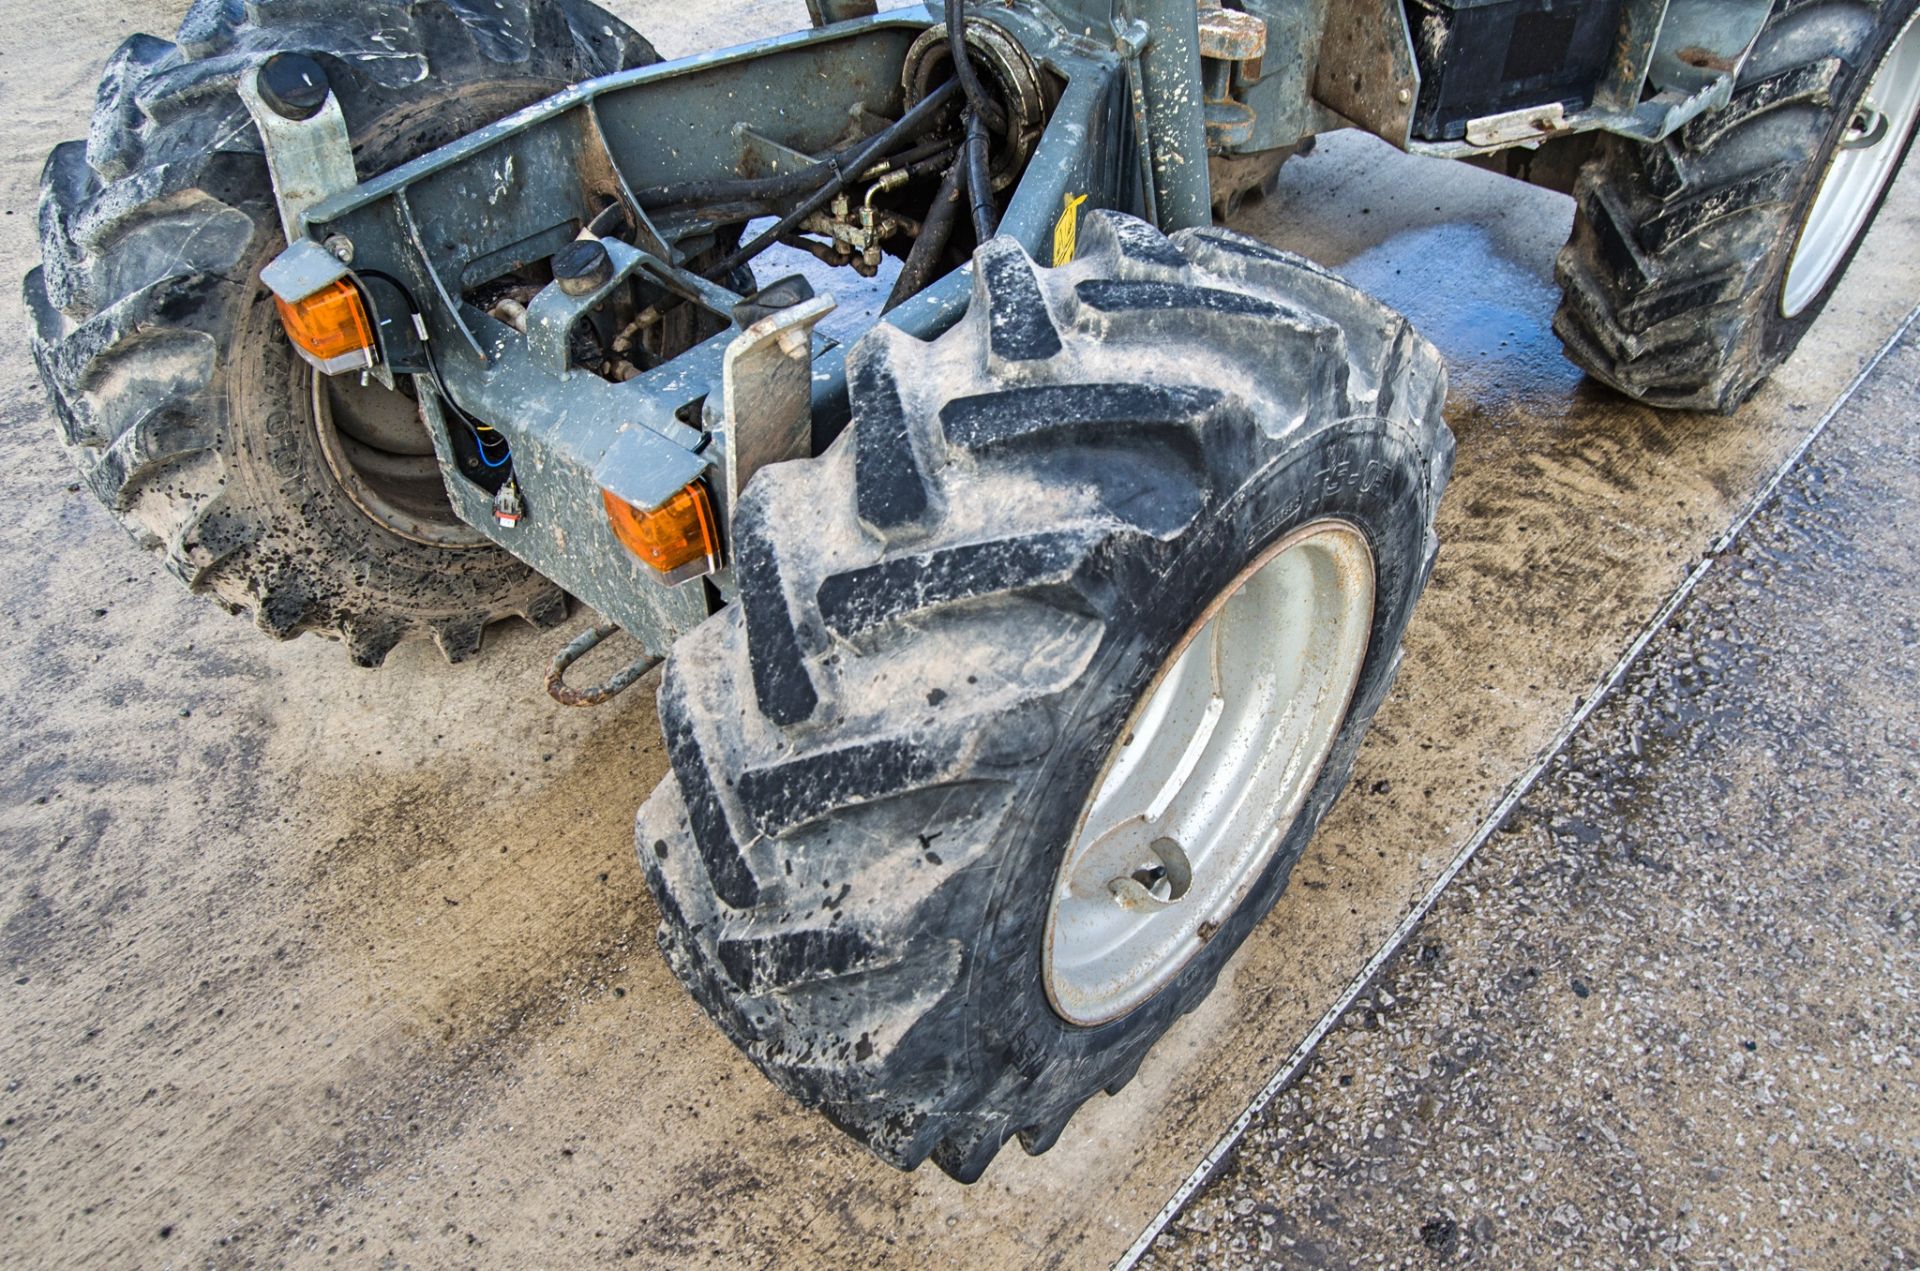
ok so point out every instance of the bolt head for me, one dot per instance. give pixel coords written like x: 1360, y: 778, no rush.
x: 342, y: 248
x: 581, y: 267
x: 293, y: 86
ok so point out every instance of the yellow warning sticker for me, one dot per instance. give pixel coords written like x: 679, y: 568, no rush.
x: 1066, y: 231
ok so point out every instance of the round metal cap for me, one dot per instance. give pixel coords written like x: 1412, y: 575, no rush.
x: 582, y: 266
x: 293, y: 85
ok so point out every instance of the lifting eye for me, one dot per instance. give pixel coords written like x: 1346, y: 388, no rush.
x: 331, y: 328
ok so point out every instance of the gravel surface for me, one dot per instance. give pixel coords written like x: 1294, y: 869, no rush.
x: 1666, y: 1017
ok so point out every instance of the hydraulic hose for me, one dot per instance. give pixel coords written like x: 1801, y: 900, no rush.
x: 986, y: 217
x: 963, y: 67
x: 785, y: 185
x: 982, y: 113
x: 907, y: 125
x: 935, y: 233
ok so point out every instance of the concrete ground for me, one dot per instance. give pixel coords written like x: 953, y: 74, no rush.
x: 1666, y: 1015
x: 311, y: 965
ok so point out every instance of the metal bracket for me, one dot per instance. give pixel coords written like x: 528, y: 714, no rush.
x: 1704, y: 43
x: 1367, y: 70
x: 552, y: 314
x: 309, y: 159
x: 301, y: 270
x: 768, y: 383
x: 1535, y: 123
x: 762, y: 156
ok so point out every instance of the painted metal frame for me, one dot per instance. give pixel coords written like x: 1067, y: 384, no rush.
x: 519, y: 190
x: 1130, y: 132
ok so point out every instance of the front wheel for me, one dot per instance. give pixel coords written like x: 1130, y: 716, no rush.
x: 1040, y: 680
x: 1699, y: 263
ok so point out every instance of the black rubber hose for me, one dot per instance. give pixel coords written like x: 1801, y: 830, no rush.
x: 986, y: 217
x: 930, y: 155
x: 907, y: 125
x: 680, y: 218
x: 934, y: 160
x: 963, y: 69
x: 679, y: 222
x: 611, y: 220
x: 922, y: 160
x: 935, y: 233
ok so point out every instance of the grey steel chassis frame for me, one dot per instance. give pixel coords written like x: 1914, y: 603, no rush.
x: 1127, y: 132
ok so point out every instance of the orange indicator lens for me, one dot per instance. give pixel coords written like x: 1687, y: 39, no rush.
x: 678, y: 538
x: 331, y: 325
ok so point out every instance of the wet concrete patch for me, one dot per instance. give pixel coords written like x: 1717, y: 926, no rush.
x: 1483, y: 307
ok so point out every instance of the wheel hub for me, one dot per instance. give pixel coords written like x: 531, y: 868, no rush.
x: 1869, y: 151
x: 378, y: 450
x: 1210, y: 772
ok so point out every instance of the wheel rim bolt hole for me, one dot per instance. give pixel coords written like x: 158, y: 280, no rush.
x: 1165, y: 878
x: 1156, y: 880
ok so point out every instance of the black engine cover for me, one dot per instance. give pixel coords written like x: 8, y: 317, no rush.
x: 1486, y: 57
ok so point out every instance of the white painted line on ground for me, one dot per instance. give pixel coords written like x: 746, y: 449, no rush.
x: 1494, y: 819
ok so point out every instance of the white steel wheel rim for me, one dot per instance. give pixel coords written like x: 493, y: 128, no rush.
x: 1876, y: 137
x: 1210, y: 772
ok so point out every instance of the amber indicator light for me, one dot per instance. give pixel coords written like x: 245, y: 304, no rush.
x: 678, y: 539
x: 331, y: 327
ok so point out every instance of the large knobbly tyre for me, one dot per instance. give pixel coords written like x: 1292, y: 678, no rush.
x: 880, y: 753
x: 187, y: 410
x: 1675, y: 280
